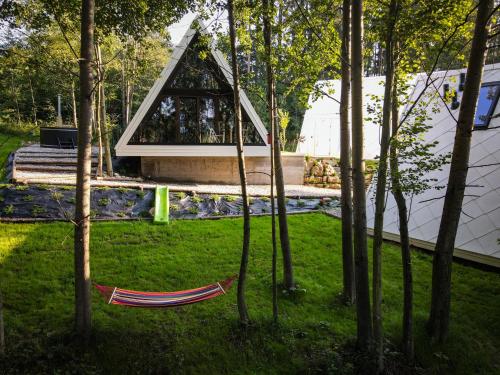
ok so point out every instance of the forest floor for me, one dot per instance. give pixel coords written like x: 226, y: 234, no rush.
x: 315, y: 333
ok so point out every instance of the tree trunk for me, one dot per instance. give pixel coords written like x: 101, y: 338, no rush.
x: 97, y: 127
x: 345, y: 159
x: 404, y: 237
x: 103, y: 117
x: 73, y: 103
x: 364, y: 326
x: 272, y: 121
x: 439, y: 318
x: 82, y: 206
x: 33, y: 103
x: 288, y: 281
x: 2, y: 330
x: 380, y: 194
x: 124, y: 94
x: 242, y: 307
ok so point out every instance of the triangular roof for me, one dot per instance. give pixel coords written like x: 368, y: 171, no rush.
x: 124, y: 149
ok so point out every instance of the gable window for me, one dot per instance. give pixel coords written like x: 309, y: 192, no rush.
x: 486, y: 104
x: 195, y: 107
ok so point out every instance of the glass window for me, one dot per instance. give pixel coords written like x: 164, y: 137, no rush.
x: 194, y: 120
x: 486, y: 104
x: 196, y: 106
x: 197, y: 70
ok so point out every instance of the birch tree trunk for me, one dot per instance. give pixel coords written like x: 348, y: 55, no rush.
x: 404, y: 237
x: 73, y: 103
x: 364, y: 326
x: 97, y: 127
x: 345, y: 159
x: 288, y: 281
x: 439, y: 318
x: 380, y: 194
x: 102, y: 116
x: 83, y: 321
x: 242, y: 307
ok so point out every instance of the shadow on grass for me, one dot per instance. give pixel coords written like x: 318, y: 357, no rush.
x: 315, y: 331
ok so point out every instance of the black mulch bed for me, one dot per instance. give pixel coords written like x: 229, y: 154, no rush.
x: 45, y: 202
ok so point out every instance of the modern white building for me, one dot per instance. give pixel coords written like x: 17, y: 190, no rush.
x: 320, y: 133
x: 478, y: 236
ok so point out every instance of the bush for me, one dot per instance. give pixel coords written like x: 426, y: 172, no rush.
x: 57, y: 196
x: 180, y: 195
x: 9, y: 210
x: 230, y: 198
x: 37, y: 210
x: 104, y: 202
x: 28, y: 198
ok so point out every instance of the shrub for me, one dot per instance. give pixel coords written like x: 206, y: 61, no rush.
x: 28, y: 198
x: 67, y: 187
x: 43, y: 187
x: 174, y: 207
x: 104, y: 202
x: 265, y: 199
x: 193, y: 210
x: 122, y: 189
x: 121, y: 214
x: 71, y: 200
x: 215, y: 197
x: 93, y: 214
x: 180, y: 195
x: 300, y: 203
x: 230, y: 198
x: 57, y: 195
x: 196, y: 199
x: 130, y: 204
x: 141, y: 194
x: 5, y: 186
x: 9, y: 210
x: 37, y: 210
x: 22, y: 187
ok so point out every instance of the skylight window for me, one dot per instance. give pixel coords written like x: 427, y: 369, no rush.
x: 486, y: 104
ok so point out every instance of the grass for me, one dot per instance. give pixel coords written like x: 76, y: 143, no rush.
x: 315, y: 330
x: 9, y: 143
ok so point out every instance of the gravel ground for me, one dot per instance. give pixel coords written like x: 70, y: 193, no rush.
x: 302, y: 191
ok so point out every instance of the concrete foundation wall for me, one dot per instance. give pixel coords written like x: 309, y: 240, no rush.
x: 220, y: 170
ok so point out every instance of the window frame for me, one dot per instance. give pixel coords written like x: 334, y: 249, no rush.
x: 492, y: 108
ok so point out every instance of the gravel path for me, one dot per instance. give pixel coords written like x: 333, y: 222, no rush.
x: 253, y: 190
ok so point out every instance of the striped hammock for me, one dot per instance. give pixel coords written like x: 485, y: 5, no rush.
x: 132, y: 298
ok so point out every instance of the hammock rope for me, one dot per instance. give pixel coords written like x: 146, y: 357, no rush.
x: 133, y: 298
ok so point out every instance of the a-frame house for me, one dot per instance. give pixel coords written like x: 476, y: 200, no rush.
x: 184, y: 129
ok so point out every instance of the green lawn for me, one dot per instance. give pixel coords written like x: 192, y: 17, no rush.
x: 315, y: 334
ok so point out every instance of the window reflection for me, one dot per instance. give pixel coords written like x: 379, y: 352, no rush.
x: 488, y: 99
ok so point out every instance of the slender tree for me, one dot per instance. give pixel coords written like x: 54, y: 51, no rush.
x: 102, y: 114
x: 82, y: 206
x: 439, y: 318
x: 345, y: 158
x: 288, y: 281
x: 364, y: 326
x: 381, y: 189
x: 404, y: 236
x: 242, y: 307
